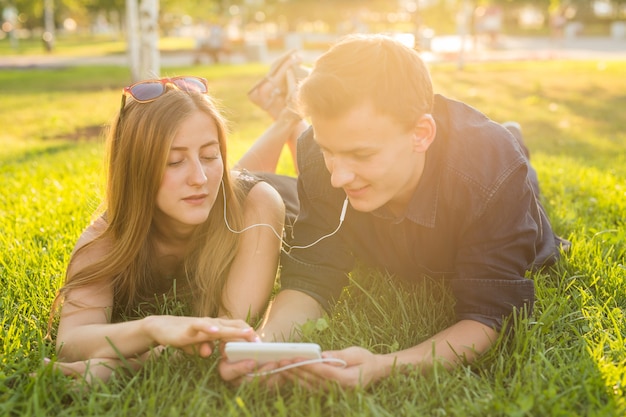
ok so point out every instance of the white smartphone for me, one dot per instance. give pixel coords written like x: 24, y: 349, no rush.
x: 271, y: 352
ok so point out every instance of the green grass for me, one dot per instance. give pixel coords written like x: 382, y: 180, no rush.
x: 568, y: 358
x: 86, y: 45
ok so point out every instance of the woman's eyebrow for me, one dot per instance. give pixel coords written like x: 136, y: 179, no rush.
x: 205, y: 145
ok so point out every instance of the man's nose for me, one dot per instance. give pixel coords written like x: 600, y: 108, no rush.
x: 340, y: 174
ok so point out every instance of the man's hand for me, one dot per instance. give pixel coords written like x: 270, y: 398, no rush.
x: 362, y: 368
x: 239, y: 372
x: 460, y: 343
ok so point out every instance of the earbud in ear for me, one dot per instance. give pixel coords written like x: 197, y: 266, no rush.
x: 417, y: 138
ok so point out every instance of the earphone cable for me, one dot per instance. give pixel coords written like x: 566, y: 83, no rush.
x: 284, y: 244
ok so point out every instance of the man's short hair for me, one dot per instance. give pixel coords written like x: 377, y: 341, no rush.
x: 375, y: 68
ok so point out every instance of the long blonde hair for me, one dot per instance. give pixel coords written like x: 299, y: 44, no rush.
x: 137, y: 151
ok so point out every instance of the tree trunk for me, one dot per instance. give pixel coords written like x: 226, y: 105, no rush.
x: 132, y: 39
x: 149, y: 39
x: 48, y: 35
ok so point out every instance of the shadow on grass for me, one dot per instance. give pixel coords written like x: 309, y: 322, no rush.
x: 83, y: 133
x: 33, y: 154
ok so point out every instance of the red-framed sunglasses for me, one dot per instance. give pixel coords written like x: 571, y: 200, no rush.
x: 149, y: 90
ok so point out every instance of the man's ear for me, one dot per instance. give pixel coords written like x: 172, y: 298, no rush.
x: 424, y: 132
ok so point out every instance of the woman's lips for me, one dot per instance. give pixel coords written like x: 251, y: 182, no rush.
x: 195, y: 199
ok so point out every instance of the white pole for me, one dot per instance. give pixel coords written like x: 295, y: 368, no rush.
x: 48, y: 35
x: 132, y: 39
x: 9, y: 14
x: 463, y: 23
x: 149, y: 46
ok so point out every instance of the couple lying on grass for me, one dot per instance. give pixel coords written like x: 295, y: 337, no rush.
x: 435, y: 189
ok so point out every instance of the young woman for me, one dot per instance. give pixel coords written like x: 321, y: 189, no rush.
x: 175, y: 224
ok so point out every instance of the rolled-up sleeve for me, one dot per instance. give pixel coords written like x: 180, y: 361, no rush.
x: 490, y: 301
x: 496, y: 249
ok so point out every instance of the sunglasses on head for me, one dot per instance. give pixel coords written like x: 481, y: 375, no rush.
x: 149, y: 90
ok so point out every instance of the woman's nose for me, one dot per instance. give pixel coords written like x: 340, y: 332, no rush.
x: 197, y: 176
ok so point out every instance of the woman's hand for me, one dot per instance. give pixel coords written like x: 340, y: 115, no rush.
x: 196, y: 334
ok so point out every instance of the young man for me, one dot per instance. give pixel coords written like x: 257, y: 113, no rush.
x: 435, y: 189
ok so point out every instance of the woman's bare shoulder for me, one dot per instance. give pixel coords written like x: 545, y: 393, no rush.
x: 90, y: 246
x: 264, y: 197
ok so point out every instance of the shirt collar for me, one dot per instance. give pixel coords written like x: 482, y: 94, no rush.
x: 422, y: 208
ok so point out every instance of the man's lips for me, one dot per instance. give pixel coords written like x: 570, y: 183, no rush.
x: 356, y: 192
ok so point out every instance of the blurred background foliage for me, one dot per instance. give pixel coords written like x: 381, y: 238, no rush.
x: 25, y: 18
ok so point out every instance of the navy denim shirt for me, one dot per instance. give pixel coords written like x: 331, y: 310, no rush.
x: 474, y: 221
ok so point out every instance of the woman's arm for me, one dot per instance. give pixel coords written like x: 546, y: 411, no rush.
x: 85, y: 331
x: 254, y: 268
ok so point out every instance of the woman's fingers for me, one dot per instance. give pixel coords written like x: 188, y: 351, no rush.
x: 202, y: 349
x: 89, y: 370
x: 223, y: 329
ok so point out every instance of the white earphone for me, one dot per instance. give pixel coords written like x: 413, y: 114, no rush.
x: 342, y: 216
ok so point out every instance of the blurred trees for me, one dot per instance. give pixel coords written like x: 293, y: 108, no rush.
x: 336, y: 14
x: 86, y: 12
x: 83, y: 11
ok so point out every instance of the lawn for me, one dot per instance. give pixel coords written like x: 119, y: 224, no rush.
x: 568, y: 358
x: 87, y: 45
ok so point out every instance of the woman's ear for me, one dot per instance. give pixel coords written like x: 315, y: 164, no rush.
x: 424, y: 132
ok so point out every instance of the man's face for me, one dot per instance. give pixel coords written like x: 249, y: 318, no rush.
x: 371, y: 157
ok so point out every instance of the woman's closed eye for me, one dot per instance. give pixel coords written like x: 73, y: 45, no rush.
x: 174, y: 163
x: 211, y: 157
x: 204, y: 158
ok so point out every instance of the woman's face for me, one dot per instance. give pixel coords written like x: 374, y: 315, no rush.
x: 193, y: 174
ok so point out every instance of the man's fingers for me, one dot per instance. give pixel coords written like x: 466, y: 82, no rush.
x: 304, y: 378
x: 233, y: 371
